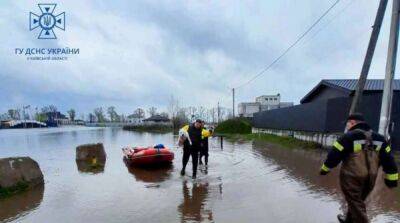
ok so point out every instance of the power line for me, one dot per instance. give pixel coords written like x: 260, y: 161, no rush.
x: 291, y: 46
x: 334, y: 17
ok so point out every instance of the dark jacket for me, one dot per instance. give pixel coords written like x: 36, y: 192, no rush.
x: 354, y: 141
x: 195, y: 137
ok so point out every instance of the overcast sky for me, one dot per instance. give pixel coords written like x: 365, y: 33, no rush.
x: 139, y: 53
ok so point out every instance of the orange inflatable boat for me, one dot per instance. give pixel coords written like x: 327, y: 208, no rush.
x: 148, y: 156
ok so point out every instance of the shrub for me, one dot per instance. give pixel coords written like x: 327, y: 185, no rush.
x: 234, y: 126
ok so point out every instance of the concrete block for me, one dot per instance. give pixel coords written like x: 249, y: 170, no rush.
x: 19, y: 173
x: 91, y: 152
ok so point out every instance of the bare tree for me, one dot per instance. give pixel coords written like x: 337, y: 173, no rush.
x: 114, y: 117
x: 139, y: 112
x: 14, y: 114
x: 192, y: 112
x: 173, y: 106
x: 152, y: 111
x: 71, y: 114
x: 181, y: 118
x: 92, y: 118
x: 201, y: 113
x: 212, y: 113
x: 164, y: 114
x: 122, y: 118
x: 98, y: 112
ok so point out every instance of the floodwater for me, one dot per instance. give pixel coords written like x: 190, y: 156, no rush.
x: 244, y: 182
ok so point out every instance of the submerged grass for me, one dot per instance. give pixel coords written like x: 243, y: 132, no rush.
x: 284, y: 141
x: 9, y: 191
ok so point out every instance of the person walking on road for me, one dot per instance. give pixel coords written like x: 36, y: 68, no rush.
x: 191, y: 145
x: 205, y: 134
x: 361, y: 152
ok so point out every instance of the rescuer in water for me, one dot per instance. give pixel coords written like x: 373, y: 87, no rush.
x: 205, y: 134
x: 361, y: 152
x: 190, y: 137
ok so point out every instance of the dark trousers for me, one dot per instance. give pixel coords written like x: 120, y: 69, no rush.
x: 356, y: 190
x: 187, y: 152
x: 357, y: 179
x: 204, y: 152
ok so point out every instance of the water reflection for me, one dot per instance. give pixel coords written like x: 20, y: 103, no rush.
x: 260, y: 183
x: 302, y: 165
x: 21, y: 204
x: 90, y: 167
x: 154, y: 174
x: 194, y: 202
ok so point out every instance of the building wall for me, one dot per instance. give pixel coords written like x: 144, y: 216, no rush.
x: 328, y: 116
x: 305, y: 117
x: 286, y: 104
x: 248, y: 109
x: 269, y: 100
x: 324, y: 139
x: 326, y: 93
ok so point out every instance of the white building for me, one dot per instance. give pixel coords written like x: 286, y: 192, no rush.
x: 247, y: 109
x: 269, y: 102
x: 262, y: 103
x: 134, y: 119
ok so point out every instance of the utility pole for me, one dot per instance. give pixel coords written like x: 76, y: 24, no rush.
x: 233, y: 102
x: 218, y: 113
x: 390, y: 69
x: 368, y: 57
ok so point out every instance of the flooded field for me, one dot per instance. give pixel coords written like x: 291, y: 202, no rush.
x: 244, y: 182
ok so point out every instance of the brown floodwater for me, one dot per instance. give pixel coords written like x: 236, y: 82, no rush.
x: 246, y: 181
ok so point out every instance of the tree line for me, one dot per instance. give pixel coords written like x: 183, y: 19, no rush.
x: 175, y: 112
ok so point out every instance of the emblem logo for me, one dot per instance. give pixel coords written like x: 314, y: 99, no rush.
x: 47, y: 21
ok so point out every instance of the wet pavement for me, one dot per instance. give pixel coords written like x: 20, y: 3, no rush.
x: 244, y: 182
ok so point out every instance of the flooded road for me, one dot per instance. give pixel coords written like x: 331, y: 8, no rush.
x: 244, y: 182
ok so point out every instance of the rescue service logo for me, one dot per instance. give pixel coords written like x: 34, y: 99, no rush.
x: 47, y: 21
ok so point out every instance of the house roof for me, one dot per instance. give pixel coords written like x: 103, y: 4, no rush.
x: 157, y: 118
x: 349, y: 86
x: 370, y: 85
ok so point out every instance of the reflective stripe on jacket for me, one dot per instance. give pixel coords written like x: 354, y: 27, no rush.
x: 354, y: 142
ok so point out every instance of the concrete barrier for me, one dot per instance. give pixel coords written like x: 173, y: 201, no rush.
x: 91, y: 158
x: 18, y: 174
x: 91, y: 167
x: 91, y: 152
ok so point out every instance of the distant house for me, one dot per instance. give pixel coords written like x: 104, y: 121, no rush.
x: 262, y: 103
x: 134, y: 119
x: 4, y: 117
x: 323, y: 111
x: 157, y: 119
x: 56, y: 118
x: 79, y: 122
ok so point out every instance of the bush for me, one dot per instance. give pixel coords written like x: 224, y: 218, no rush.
x: 234, y: 126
